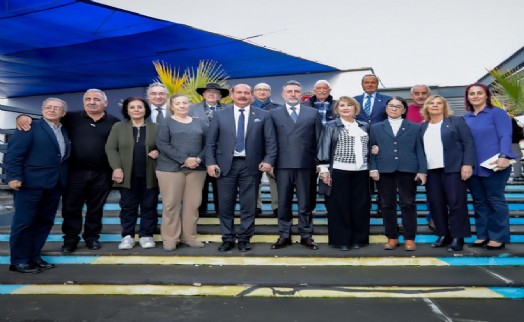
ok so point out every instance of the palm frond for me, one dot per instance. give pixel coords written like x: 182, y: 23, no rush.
x: 208, y: 71
x: 509, y: 89
x: 170, y: 77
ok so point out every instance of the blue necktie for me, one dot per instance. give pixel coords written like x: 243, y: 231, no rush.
x: 240, y: 144
x: 294, y: 114
x: 367, y: 106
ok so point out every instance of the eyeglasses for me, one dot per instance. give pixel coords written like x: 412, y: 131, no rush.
x: 262, y: 90
x: 395, y: 107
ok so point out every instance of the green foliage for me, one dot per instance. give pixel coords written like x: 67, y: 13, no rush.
x: 509, y: 90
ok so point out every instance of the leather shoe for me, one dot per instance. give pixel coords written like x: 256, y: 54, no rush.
x: 344, y: 248
x: 409, y: 245
x: 357, y: 245
x: 391, y: 244
x: 309, y: 243
x: 479, y: 245
x: 457, y: 244
x: 226, y: 246
x: 69, y: 247
x: 244, y: 246
x: 275, y: 213
x: 93, y: 244
x: 25, y: 268
x: 258, y: 211
x: 281, y: 243
x: 42, y: 264
x: 441, y: 241
x: 499, y: 247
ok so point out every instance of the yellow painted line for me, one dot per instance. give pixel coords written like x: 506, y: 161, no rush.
x: 255, y: 291
x: 258, y: 221
x: 269, y: 261
x: 270, y: 239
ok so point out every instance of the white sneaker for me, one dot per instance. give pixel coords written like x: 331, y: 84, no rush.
x: 127, y: 242
x: 147, y: 242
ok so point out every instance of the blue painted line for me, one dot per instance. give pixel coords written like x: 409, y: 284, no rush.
x: 64, y: 259
x: 509, y: 292
x: 483, y: 261
x: 373, y: 221
x: 9, y: 289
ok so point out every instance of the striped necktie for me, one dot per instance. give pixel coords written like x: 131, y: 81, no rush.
x: 240, y: 143
x: 367, y: 106
x: 294, y: 115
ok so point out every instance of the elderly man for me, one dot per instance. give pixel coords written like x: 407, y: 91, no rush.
x: 298, y: 129
x: 157, y: 97
x: 205, y: 110
x: 240, y: 145
x: 322, y: 100
x: 37, y: 162
x: 419, y: 94
x: 373, y: 104
x: 262, y: 93
x: 89, y: 178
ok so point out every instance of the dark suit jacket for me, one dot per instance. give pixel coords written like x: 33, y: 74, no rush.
x: 297, y: 143
x: 457, y: 141
x: 403, y: 152
x: 260, y: 140
x: 378, y: 111
x: 33, y: 157
x: 201, y: 110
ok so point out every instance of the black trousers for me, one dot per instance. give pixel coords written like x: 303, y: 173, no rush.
x: 205, y: 195
x: 299, y: 181
x: 348, y: 208
x: 405, y: 184
x: 91, y: 187
x: 238, y: 181
x: 138, y: 195
x: 447, y: 197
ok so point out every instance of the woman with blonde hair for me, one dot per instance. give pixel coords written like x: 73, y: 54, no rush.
x: 450, y: 155
x: 343, y: 155
x: 181, y: 174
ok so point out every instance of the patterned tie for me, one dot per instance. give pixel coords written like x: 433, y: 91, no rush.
x: 159, y: 116
x: 210, y: 113
x: 367, y: 106
x: 240, y: 144
x: 294, y: 114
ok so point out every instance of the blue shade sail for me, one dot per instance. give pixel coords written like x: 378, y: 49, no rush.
x: 49, y: 47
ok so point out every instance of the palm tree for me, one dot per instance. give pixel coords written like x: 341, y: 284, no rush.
x: 508, y: 88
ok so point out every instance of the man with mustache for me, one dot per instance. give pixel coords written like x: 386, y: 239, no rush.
x: 240, y: 145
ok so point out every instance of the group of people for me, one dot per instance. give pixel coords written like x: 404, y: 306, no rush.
x: 345, y: 148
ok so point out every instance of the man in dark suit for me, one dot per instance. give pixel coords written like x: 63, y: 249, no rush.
x: 240, y: 145
x: 298, y: 129
x: 157, y: 97
x: 36, y: 163
x: 212, y: 94
x: 373, y: 104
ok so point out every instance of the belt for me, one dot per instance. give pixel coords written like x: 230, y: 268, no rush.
x: 239, y: 158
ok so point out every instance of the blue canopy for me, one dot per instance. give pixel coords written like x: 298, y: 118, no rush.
x: 68, y: 46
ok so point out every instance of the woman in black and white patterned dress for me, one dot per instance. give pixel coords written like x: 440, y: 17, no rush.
x: 343, y: 157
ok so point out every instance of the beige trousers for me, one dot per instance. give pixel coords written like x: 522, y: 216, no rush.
x: 179, y: 224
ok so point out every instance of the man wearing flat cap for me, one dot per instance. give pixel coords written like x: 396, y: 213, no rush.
x: 204, y: 110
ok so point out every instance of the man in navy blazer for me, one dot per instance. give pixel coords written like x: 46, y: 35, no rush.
x: 240, y: 145
x: 298, y: 129
x: 377, y: 112
x: 36, y: 162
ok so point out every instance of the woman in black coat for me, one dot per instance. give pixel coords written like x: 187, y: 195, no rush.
x: 343, y: 156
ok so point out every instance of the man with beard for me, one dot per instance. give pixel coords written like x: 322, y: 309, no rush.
x: 298, y: 129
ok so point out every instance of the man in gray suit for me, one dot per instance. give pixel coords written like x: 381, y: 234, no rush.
x: 204, y: 110
x: 157, y: 97
x: 298, y: 129
x: 240, y: 145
